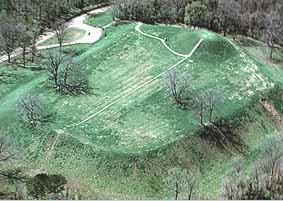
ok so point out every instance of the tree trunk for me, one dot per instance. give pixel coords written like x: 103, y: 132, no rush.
x: 56, y: 79
x: 32, y: 54
x: 9, y: 57
x: 33, y: 48
x: 176, y: 191
x: 66, y: 76
x: 271, y: 53
x: 24, y: 56
x: 40, y: 14
x: 191, y: 191
x: 190, y: 194
x: 210, y: 112
x: 201, y: 114
x: 60, y: 46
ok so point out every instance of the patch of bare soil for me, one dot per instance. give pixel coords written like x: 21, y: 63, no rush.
x: 272, y: 112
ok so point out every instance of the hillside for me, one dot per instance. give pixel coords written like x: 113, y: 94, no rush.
x: 120, y: 140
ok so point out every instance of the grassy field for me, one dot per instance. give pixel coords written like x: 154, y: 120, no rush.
x: 71, y: 34
x: 178, y: 38
x: 100, y: 20
x: 126, y: 150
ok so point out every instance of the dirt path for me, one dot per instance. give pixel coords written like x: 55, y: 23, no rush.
x: 232, y: 43
x: 163, y: 41
x: 82, y: 139
x: 139, y: 87
x: 108, y: 25
x: 92, y: 35
x: 52, y: 146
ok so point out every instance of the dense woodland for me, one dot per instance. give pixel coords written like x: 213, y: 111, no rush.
x: 255, y: 18
x: 44, y: 13
x: 22, y: 21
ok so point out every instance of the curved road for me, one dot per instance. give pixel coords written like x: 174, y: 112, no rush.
x: 77, y: 22
x: 92, y: 34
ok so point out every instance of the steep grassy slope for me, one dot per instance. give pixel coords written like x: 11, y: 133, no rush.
x: 125, y: 150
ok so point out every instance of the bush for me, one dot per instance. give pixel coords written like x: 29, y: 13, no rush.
x: 44, y: 184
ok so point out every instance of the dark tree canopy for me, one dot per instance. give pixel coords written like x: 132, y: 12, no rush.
x: 245, y: 17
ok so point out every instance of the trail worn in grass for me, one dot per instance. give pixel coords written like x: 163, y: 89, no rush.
x: 125, y: 151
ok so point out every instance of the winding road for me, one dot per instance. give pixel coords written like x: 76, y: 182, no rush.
x: 92, y: 35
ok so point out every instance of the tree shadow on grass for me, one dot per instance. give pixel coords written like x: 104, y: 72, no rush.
x: 224, y: 135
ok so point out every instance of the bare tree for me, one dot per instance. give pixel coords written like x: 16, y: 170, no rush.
x: 13, y: 175
x: 217, y: 131
x: 204, y: 104
x: 176, y: 181
x: 265, y: 183
x: 35, y: 32
x: 8, y: 37
x: 246, y: 189
x: 68, y: 77
x: 273, y: 155
x: 178, y: 87
x: 180, y: 182
x: 191, y: 183
x: 60, y: 31
x: 55, y: 59
x: 73, y: 79
x: 273, y: 26
x: 31, y: 110
x: 24, y: 40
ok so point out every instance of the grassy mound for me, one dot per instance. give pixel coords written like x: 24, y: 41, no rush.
x: 179, y: 39
x: 128, y: 147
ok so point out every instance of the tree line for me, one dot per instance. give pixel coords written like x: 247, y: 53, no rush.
x: 22, y: 21
x: 150, y: 11
x: 43, y: 12
x: 259, y: 19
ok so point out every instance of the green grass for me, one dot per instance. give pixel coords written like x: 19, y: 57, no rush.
x: 112, y: 78
x: 126, y: 151
x: 71, y: 34
x: 100, y: 20
x: 179, y: 39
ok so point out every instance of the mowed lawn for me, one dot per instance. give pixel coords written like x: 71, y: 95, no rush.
x: 147, y: 120
x: 100, y: 20
x: 71, y: 34
x: 178, y: 38
x: 120, y: 67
